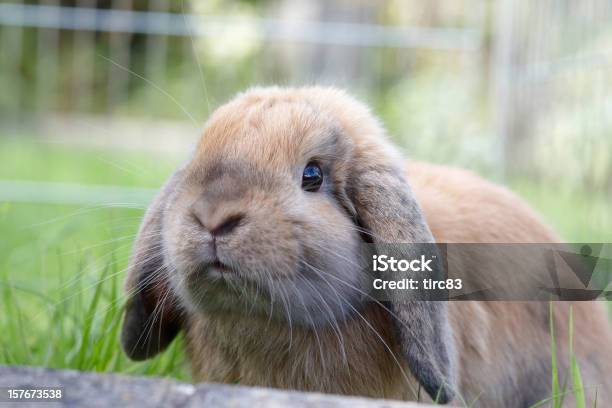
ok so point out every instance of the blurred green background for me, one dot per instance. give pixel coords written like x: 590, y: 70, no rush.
x: 101, y: 100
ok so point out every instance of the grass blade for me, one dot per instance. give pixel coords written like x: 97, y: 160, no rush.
x: 553, y: 357
x: 575, y: 370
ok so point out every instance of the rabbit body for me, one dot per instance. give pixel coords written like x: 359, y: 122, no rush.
x: 233, y: 223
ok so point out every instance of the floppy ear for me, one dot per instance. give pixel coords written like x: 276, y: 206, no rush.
x: 153, y: 317
x: 386, y: 207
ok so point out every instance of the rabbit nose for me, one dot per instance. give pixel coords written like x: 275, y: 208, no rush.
x: 227, y: 225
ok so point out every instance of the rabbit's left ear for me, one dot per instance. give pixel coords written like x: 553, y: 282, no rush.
x: 386, y: 207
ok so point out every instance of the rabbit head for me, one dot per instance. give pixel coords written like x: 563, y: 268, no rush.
x: 268, y: 217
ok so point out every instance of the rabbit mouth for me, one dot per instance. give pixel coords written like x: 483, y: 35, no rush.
x: 217, y: 268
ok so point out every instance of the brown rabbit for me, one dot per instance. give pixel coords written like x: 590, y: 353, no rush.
x: 252, y: 250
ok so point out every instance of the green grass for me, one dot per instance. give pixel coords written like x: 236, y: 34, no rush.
x: 560, y: 392
x: 25, y: 159
x: 62, y: 266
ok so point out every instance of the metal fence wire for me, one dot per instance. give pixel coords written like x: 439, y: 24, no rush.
x: 160, y: 38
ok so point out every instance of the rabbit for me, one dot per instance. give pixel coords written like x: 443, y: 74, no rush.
x: 250, y: 250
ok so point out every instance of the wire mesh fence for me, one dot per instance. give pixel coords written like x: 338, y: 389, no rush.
x: 504, y: 87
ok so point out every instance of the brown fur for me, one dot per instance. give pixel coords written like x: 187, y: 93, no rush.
x: 497, y: 353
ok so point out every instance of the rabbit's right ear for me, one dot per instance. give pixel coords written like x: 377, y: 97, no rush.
x: 153, y: 316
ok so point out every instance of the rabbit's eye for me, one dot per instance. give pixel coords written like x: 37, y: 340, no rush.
x: 312, y: 177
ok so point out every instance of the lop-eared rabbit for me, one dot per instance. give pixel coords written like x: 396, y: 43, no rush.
x: 248, y: 250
